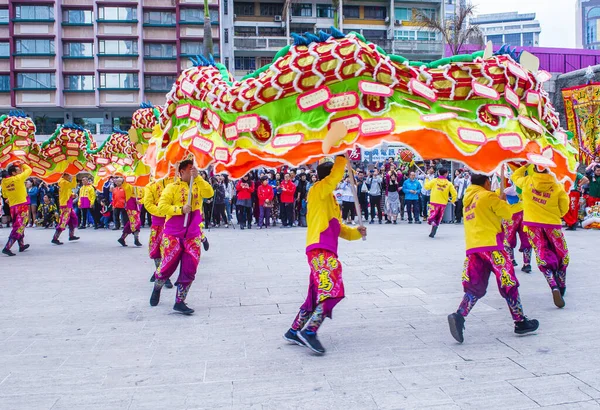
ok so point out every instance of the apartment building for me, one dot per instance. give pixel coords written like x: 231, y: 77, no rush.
x: 587, y: 24
x: 93, y: 62
x: 510, y: 28
x: 261, y: 28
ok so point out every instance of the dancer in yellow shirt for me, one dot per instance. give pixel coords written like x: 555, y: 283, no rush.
x: 484, y: 236
x: 326, y: 287
x: 67, y: 216
x: 181, y: 241
x: 545, y: 202
x: 13, y: 188
x: 133, y: 224
x: 87, y: 198
x: 441, y: 192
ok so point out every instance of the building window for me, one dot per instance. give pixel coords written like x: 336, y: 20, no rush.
x: 77, y: 16
x: 4, y: 83
x: 225, y: 7
x: 271, y: 9
x: 160, y: 50
x: 34, y: 13
x: 118, y: 47
x: 532, y: 25
x: 78, y: 49
x: 429, y: 13
x: 196, y: 16
x: 375, y: 12
x: 79, y: 82
x: 35, y: 46
x: 117, y: 13
x: 191, y: 48
x: 301, y: 10
x: 528, y: 40
x: 374, y: 35
x: 245, y: 63
x: 243, y: 9
x: 325, y: 11
x: 518, y: 27
x: 163, y: 18
x: 3, y: 16
x: 351, y: 12
x: 403, y: 14
x: 227, y: 63
x: 226, y: 35
x: 5, y: 49
x: 119, y: 80
x: 265, y: 61
x: 405, y: 35
x: 513, y: 39
x: 271, y: 31
x: 159, y: 82
x: 244, y: 31
x: 496, y: 39
x: 426, y: 36
x: 36, y: 80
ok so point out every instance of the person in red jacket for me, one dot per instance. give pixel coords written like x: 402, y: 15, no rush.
x: 265, y: 203
x: 244, y: 188
x: 288, y: 189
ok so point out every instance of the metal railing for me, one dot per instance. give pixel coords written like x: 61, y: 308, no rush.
x: 260, y: 43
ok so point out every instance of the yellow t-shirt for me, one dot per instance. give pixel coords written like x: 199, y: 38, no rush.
x: 14, y: 189
x: 65, y: 192
x: 441, y: 189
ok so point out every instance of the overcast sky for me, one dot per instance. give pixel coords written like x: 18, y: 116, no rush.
x: 557, y: 17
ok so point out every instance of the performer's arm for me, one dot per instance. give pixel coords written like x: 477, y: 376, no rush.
x: 331, y: 181
x: 204, y: 188
x: 518, y: 177
x: 166, y: 203
x: 453, y: 193
x: 501, y: 207
x: 429, y: 184
x: 150, y: 202
x: 26, y: 172
x: 349, y: 234
x: 92, y: 195
x: 563, y: 201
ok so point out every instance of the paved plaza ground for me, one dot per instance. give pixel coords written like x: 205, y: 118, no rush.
x: 77, y: 331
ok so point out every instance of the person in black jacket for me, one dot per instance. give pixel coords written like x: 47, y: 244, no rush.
x: 363, y: 193
x: 219, y: 211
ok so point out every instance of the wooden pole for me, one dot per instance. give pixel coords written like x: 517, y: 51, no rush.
x: 354, y: 192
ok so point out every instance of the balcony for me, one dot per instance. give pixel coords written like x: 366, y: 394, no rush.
x: 413, y: 49
x: 260, y: 43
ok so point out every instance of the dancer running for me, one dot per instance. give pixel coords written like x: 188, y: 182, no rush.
x: 87, y: 198
x: 151, y: 198
x: 441, y: 189
x: 483, y: 213
x: 326, y: 287
x: 67, y: 215
x: 545, y: 202
x: 133, y: 223
x: 14, y: 190
x: 181, y: 242
x: 514, y: 227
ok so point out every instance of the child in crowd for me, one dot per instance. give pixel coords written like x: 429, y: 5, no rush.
x: 106, y: 212
x: 265, y: 203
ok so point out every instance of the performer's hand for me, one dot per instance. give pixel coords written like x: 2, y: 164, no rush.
x: 363, y: 231
x: 186, y: 209
x: 194, y: 172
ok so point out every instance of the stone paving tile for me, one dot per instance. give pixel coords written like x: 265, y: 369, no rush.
x: 87, y: 339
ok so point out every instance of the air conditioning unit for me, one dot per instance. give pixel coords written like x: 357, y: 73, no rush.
x: 398, y: 22
x: 278, y: 18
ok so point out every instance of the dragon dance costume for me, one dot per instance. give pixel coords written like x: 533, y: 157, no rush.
x: 545, y: 202
x: 326, y: 286
x: 13, y: 188
x: 181, y: 244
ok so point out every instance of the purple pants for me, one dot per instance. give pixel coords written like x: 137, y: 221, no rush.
x: 175, y: 250
x: 476, y: 276
x: 67, y: 217
x: 264, y: 215
x: 551, y: 253
x: 436, y: 214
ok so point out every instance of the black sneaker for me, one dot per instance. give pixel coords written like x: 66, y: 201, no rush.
x: 292, y: 337
x: 56, y: 242
x: 572, y: 228
x: 372, y: 222
x: 433, y: 231
x: 380, y: 222
x: 137, y: 242
x: 152, y: 278
x: 418, y: 222
x: 182, y: 308
x: 559, y: 302
x: 206, y: 245
x: 8, y: 252
x: 388, y: 222
x: 242, y: 227
x: 515, y: 263
x: 396, y: 223
x: 457, y: 326
x: 310, y: 340
x: 526, y: 268
x: 563, y: 290
x: 410, y: 222
x: 24, y: 247
x: 122, y: 241
x: 526, y: 326
x: 168, y: 284
x: 73, y: 238
x: 155, y: 297
x: 83, y: 227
